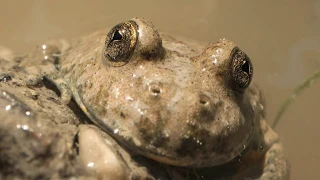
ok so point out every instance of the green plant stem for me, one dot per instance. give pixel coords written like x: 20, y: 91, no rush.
x: 306, y: 84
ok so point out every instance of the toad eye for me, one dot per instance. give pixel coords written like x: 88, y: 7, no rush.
x: 241, y: 69
x: 120, y: 43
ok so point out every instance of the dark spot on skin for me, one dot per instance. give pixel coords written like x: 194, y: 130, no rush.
x: 205, y: 114
x: 188, y: 147
x: 197, y: 143
x: 54, y: 100
x: 75, y: 144
x: 272, y: 156
x: 122, y: 115
x: 218, y: 172
x: 5, y: 77
x: 152, y: 130
x: 219, y: 139
x: 151, y: 54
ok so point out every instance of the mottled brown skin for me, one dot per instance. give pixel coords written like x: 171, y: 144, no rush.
x: 173, y: 102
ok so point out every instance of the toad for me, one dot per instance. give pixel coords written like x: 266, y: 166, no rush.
x: 177, y: 103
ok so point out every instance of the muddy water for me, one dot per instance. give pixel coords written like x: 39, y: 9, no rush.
x: 281, y: 37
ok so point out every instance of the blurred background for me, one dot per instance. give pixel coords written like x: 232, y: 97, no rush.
x: 281, y: 37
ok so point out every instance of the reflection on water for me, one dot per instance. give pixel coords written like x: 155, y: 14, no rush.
x: 281, y: 38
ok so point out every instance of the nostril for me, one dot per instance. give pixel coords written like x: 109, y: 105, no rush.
x: 204, y: 99
x: 207, y: 107
x: 203, y: 102
x: 155, y: 88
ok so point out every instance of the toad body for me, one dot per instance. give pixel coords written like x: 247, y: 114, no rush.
x: 176, y: 103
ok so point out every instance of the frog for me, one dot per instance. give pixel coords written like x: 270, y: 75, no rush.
x: 177, y: 103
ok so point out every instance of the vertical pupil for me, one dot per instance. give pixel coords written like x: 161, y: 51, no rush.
x: 116, y: 36
x: 245, y: 67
